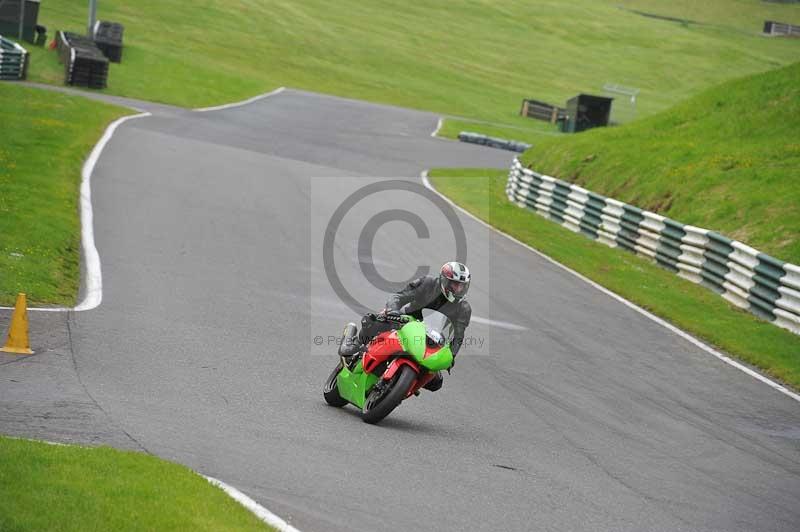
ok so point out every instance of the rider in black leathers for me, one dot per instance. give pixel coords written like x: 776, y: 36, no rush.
x: 444, y: 293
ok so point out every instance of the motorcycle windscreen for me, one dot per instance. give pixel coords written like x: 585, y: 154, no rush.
x: 438, y: 327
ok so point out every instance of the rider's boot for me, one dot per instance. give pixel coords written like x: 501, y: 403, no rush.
x: 435, y: 383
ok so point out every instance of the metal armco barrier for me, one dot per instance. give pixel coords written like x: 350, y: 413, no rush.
x: 493, y: 142
x: 541, y: 111
x: 13, y: 60
x: 779, y: 28
x: 749, y: 279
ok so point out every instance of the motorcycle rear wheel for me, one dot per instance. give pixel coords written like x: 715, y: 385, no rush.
x: 380, y: 404
x: 331, y: 390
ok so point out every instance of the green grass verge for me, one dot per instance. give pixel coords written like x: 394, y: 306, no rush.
x: 726, y: 160
x: 689, y: 306
x: 46, y: 137
x: 49, y: 487
x: 470, y: 58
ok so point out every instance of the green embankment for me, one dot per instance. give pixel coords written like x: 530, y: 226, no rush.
x: 725, y: 160
x: 689, y: 306
x: 46, y: 136
x: 68, y: 488
x: 469, y: 58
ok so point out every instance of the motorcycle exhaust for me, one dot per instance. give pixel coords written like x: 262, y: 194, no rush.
x: 348, y: 344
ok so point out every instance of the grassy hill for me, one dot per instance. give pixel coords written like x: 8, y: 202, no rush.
x: 730, y: 14
x: 470, y: 58
x: 727, y: 159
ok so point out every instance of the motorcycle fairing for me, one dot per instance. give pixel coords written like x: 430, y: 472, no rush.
x: 437, y: 359
x: 412, y: 338
x: 354, y: 385
x: 383, y: 346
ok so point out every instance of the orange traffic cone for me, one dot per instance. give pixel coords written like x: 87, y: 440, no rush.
x: 17, y: 341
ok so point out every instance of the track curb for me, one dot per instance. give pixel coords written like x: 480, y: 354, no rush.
x: 262, y: 513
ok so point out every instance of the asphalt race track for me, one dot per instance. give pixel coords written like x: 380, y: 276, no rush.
x: 575, y: 414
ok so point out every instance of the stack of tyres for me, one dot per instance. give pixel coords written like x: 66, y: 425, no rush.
x: 108, y: 37
x: 62, y: 46
x: 84, y: 63
x: 13, y: 60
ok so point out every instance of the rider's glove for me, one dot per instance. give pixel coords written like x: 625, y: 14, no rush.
x: 380, y: 316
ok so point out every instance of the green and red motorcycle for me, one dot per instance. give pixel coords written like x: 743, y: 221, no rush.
x: 396, y: 364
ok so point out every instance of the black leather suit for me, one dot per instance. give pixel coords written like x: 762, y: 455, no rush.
x: 419, y: 294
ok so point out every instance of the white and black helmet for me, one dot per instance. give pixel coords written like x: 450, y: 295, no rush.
x: 454, y: 281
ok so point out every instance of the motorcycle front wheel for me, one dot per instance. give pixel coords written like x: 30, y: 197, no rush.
x: 382, y: 400
x: 331, y: 390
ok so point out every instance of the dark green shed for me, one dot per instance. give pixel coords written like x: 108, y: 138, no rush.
x: 10, y: 11
x: 586, y: 111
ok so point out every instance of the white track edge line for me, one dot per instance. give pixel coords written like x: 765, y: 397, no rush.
x: 239, y: 104
x: 683, y: 334
x: 496, y: 323
x: 259, y: 511
x: 93, y: 284
x: 438, y: 127
x: 94, y: 277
